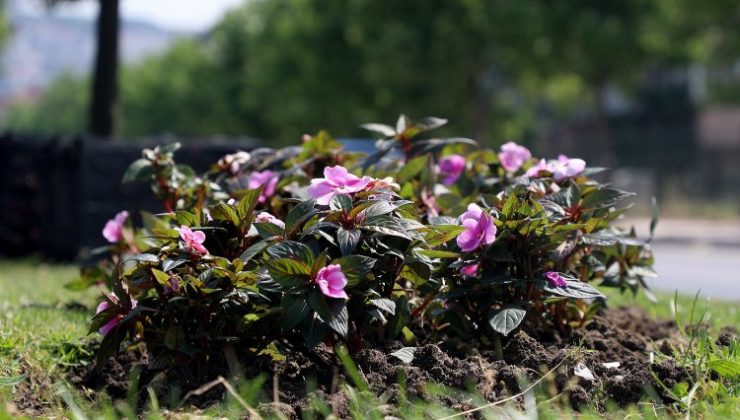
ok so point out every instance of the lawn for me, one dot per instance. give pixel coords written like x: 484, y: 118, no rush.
x: 43, y: 329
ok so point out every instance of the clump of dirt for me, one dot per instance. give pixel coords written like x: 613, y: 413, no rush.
x: 613, y: 348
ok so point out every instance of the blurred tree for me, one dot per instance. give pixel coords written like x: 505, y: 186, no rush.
x: 496, y: 69
x: 61, y: 110
x: 104, y: 91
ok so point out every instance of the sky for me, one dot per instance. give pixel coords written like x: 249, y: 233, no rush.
x: 186, y: 15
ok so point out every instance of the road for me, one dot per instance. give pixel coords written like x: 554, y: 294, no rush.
x: 690, y: 267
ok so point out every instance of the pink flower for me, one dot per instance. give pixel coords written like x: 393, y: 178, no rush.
x: 265, y: 217
x: 331, y: 281
x: 451, y: 167
x: 266, y: 179
x: 470, y: 270
x: 113, y: 230
x: 479, y: 229
x: 513, y: 156
x: 555, y: 279
x: 536, y: 170
x: 193, y: 240
x: 105, y: 329
x: 430, y: 201
x: 337, y: 180
x: 565, y: 167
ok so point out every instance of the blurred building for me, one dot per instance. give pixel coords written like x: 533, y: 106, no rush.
x: 43, y: 45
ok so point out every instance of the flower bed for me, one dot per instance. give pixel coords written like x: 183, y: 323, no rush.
x: 310, y: 250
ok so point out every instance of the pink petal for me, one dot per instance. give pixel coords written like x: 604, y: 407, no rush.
x: 199, y: 236
x: 337, y: 175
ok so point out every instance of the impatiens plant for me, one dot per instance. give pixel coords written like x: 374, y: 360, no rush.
x: 300, y: 246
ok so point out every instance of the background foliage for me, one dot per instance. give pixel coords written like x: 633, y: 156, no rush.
x: 497, y: 69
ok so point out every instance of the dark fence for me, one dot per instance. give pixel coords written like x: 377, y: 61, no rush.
x: 57, y: 192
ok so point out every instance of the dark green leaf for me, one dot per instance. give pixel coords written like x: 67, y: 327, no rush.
x: 384, y: 304
x: 269, y: 230
x: 386, y: 226
x: 223, y: 211
x: 296, y: 310
x: 441, y: 234
x: 248, y: 203
x: 339, y: 318
x: 604, y: 198
x: 378, y: 209
x: 148, y: 258
x: 289, y: 272
x: 293, y: 250
x: 169, y: 264
x: 341, y: 202
x: 347, y: 240
x: 253, y: 250
x: 575, y: 289
x: 355, y: 267
x: 299, y: 214
x: 138, y: 170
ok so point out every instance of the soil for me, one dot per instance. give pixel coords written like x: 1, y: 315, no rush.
x: 622, y: 335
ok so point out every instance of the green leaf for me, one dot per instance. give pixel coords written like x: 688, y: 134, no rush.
x: 268, y: 230
x: 405, y: 354
x: 299, y: 214
x: 12, y: 380
x: 510, y: 206
x: 441, y: 234
x: 355, y: 267
x: 248, y: 203
x: 506, y: 320
x: 293, y: 250
x: 223, y: 211
x: 138, y: 170
x: 185, y: 218
x: 604, y: 198
x: 289, y: 272
x: 401, y: 319
x: 726, y: 368
x: 436, y: 253
x: 161, y: 277
x: 412, y: 168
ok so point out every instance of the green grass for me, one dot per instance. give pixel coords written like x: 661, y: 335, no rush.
x: 715, y: 312
x: 41, y: 324
x: 43, y: 327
